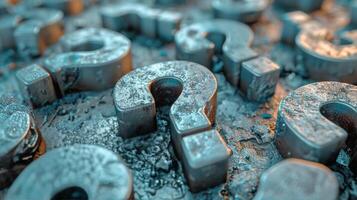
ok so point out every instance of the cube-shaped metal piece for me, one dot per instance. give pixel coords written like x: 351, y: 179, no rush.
x: 258, y: 79
x: 205, y: 158
x: 36, y: 85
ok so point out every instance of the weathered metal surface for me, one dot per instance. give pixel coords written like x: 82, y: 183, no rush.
x: 295, y: 179
x: 20, y: 140
x: 326, y: 61
x: 89, y: 59
x: 98, y: 171
x: 313, y: 121
x: 148, y: 21
x: 192, y: 89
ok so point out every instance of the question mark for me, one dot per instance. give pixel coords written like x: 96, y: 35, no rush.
x: 192, y: 91
x: 255, y: 76
x: 89, y: 171
x: 324, y: 60
x: 20, y: 140
x: 42, y: 28
x: 295, y: 179
x: 304, y: 5
x: 31, y: 31
x: 244, y: 11
x: 150, y: 22
x: 89, y: 59
x: 296, y: 21
x: 315, y: 120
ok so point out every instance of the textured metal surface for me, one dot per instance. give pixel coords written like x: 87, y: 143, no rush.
x: 101, y: 173
x: 247, y: 127
x: 89, y: 59
x: 313, y: 121
x: 295, y: 179
x: 244, y: 11
x: 148, y: 21
x: 20, y: 140
x: 326, y: 61
x: 259, y: 77
x: 192, y: 91
x: 201, y: 41
x: 36, y: 85
x: 41, y: 28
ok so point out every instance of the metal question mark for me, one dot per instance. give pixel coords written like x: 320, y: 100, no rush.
x: 150, y: 22
x: 242, y: 66
x: 303, y: 5
x: 295, y: 179
x: 247, y: 11
x: 89, y: 59
x: 296, y: 21
x: 313, y: 121
x: 95, y: 171
x: 31, y: 31
x: 324, y: 60
x: 20, y: 140
x: 193, y: 91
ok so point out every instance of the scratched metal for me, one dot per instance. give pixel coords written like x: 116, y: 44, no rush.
x: 90, y: 118
x: 101, y: 173
x: 304, y: 126
x: 295, y: 179
x: 20, y: 140
x: 89, y: 59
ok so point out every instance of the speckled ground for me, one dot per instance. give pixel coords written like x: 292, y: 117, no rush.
x: 89, y: 117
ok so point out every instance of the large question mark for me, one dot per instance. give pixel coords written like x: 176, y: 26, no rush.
x: 31, y: 31
x: 89, y: 59
x: 303, y: 5
x: 20, y: 140
x: 316, y: 120
x: 324, y: 60
x: 91, y: 172
x: 245, y: 11
x: 149, y: 21
x: 193, y: 91
x: 255, y: 76
x: 296, y: 179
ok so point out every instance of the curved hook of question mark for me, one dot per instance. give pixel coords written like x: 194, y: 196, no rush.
x: 255, y: 76
x: 95, y: 171
x: 20, y: 140
x: 31, y: 31
x: 193, y: 89
x: 149, y: 21
x: 244, y: 11
x: 89, y: 59
x: 325, y: 61
x: 314, y: 121
x: 295, y: 178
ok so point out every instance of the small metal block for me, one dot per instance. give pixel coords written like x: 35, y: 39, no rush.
x: 258, y: 78
x: 296, y: 179
x: 206, y: 157
x: 36, y: 85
